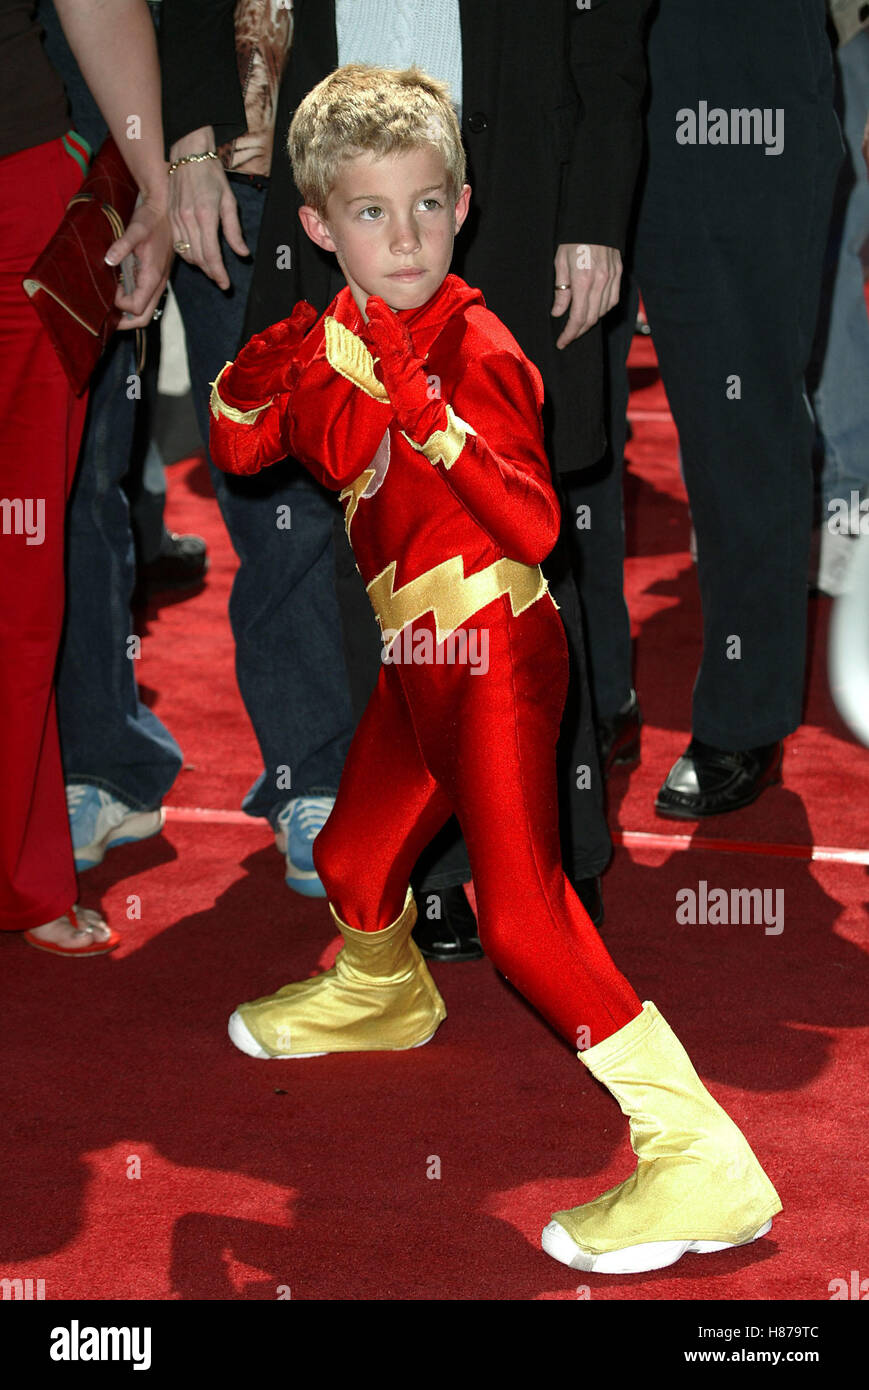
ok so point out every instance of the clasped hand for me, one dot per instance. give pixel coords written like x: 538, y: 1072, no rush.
x: 418, y: 412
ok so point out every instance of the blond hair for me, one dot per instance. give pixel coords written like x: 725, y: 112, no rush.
x: 361, y: 109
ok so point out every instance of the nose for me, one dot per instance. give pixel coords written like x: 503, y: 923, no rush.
x: 405, y: 236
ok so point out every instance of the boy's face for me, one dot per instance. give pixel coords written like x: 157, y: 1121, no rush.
x: 391, y: 222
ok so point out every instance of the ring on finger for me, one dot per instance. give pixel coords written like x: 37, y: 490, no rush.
x: 181, y: 247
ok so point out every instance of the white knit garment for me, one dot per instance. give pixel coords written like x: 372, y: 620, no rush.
x: 400, y: 33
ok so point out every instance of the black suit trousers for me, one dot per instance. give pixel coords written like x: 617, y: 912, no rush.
x: 728, y: 256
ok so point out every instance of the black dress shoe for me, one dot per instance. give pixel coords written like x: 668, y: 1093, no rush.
x: 450, y: 934
x: 618, y: 738
x: 709, y: 781
x: 453, y: 935
x: 181, y: 563
x: 589, y: 894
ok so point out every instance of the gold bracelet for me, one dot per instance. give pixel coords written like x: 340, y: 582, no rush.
x: 193, y: 159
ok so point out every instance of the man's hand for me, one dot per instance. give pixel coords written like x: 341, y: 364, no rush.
x: 149, y: 234
x: 403, y: 373
x: 200, y: 202
x: 264, y: 367
x: 594, y: 277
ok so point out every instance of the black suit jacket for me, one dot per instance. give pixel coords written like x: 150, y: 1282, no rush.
x: 551, y: 117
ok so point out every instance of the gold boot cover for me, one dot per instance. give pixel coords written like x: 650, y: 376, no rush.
x: 378, y: 995
x: 696, y: 1179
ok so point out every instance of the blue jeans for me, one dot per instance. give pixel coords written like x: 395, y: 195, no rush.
x: 841, y: 396
x: 108, y: 737
x: 283, y: 607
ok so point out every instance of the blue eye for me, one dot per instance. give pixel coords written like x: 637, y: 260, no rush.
x: 430, y: 204
x: 375, y: 209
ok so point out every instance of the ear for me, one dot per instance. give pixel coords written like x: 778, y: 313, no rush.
x: 463, y: 203
x: 316, y: 228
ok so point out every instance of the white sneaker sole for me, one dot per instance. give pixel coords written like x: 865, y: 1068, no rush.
x: 244, y: 1040
x: 303, y: 881
x: 633, y: 1259
x: 139, y: 825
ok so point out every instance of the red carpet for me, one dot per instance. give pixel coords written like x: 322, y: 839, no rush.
x: 145, y: 1158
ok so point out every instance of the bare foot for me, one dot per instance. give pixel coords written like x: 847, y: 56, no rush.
x: 88, y: 930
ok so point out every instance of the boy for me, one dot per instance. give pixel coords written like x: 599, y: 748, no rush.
x: 417, y: 406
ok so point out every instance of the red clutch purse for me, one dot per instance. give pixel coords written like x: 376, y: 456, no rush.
x: 72, y: 288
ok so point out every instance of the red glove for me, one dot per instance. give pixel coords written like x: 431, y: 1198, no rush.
x: 403, y: 373
x: 263, y: 368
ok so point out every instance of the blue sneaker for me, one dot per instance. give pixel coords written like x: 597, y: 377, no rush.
x: 298, y: 825
x: 98, y: 821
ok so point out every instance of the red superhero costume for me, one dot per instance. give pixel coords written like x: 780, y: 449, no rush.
x: 427, y: 424
x: 445, y: 545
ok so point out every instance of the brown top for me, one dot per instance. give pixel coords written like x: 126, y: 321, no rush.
x: 263, y: 29
x: 33, y: 105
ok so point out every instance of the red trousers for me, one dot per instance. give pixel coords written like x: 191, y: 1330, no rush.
x: 436, y: 739
x: 41, y: 424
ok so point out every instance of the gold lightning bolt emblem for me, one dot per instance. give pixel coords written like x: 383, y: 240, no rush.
x: 452, y: 597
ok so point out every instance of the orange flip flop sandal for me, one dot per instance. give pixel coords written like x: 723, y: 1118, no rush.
x: 80, y: 916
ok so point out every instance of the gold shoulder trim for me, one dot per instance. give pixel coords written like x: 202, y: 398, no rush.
x: 219, y: 407
x: 444, y: 446
x: 350, y: 358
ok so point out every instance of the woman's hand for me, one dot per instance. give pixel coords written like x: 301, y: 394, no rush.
x: 201, y: 201
x: 149, y: 235
x: 590, y: 278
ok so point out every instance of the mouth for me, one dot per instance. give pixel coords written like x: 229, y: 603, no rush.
x: 409, y: 275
